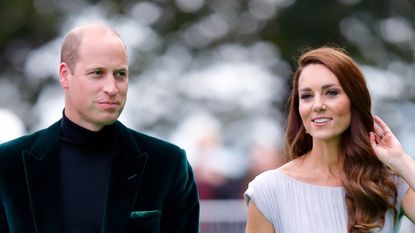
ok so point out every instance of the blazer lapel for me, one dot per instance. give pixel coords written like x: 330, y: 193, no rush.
x: 41, y: 169
x: 127, y: 169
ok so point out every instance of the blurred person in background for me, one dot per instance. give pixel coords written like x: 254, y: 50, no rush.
x: 201, y: 134
x: 346, y: 170
x: 88, y: 172
x: 264, y: 153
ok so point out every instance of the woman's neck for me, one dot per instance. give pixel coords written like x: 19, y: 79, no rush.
x: 322, y: 163
x: 320, y: 166
x: 325, y: 154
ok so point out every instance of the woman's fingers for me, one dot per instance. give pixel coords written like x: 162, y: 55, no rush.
x: 379, y: 123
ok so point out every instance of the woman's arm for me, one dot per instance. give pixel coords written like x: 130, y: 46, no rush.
x: 256, y: 222
x: 408, y: 202
x: 390, y: 152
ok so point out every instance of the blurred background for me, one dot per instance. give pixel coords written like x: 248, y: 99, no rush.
x: 210, y: 75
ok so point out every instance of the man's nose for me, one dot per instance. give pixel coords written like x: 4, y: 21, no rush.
x: 110, y: 85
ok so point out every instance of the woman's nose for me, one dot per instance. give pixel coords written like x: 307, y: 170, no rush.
x: 319, y: 106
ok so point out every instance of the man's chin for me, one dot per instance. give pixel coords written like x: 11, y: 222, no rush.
x: 109, y: 119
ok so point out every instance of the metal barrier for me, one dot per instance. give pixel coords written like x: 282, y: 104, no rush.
x: 229, y: 216
x: 222, y: 216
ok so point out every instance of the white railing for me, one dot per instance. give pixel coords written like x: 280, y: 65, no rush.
x: 222, y: 216
x: 229, y: 216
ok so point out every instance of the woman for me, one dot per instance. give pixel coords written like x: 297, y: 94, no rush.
x: 346, y: 172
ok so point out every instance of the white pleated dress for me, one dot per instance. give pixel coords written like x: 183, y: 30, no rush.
x: 293, y: 206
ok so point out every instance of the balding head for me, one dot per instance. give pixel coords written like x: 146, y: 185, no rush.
x: 73, y: 40
x: 94, y: 76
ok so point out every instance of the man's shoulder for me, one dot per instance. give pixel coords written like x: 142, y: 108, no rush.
x: 10, y: 151
x: 152, y: 141
x: 23, y: 142
x: 155, y: 146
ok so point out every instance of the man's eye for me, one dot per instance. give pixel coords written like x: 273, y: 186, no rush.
x: 121, y: 74
x: 96, y: 73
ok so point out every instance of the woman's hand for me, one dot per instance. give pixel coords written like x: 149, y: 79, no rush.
x: 390, y: 152
x: 386, y: 146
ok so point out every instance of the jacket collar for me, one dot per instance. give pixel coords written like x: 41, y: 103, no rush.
x: 42, y: 176
x: 41, y: 169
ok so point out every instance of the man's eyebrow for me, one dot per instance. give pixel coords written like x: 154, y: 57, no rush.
x: 121, y: 69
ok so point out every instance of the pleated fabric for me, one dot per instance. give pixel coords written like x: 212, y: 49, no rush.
x: 293, y: 206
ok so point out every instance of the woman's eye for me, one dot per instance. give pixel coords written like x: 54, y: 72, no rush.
x: 305, y: 96
x: 332, y: 93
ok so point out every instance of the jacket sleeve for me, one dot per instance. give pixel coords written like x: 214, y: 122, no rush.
x: 181, y: 210
x: 4, y: 226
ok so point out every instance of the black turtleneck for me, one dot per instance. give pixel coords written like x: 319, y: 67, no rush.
x: 85, y: 164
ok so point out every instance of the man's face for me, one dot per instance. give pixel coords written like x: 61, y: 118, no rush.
x: 96, y: 89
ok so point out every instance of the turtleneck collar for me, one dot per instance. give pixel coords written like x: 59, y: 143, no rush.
x: 75, y: 134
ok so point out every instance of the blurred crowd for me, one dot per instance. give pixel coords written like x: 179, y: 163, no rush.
x: 223, y: 172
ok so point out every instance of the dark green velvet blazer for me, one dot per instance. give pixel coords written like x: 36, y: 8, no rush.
x: 151, y: 187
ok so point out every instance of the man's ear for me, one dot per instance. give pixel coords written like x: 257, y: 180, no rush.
x: 64, y: 73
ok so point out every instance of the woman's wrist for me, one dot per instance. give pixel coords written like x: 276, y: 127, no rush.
x: 405, y: 168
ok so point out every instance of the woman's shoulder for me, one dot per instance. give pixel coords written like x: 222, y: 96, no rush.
x: 264, y: 188
x: 290, y: 166
x: 291, y: 169
x: 273, y: 175
x: 265, y: 176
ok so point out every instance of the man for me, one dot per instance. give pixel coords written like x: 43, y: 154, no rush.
x: 88, y: 173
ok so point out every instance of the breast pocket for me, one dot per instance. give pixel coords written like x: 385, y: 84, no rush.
x: 144, y: 221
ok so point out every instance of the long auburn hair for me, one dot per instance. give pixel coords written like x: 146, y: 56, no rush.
x: 369, y: 185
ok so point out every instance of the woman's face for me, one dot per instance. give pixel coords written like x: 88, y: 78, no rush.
x: 323, y: 105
